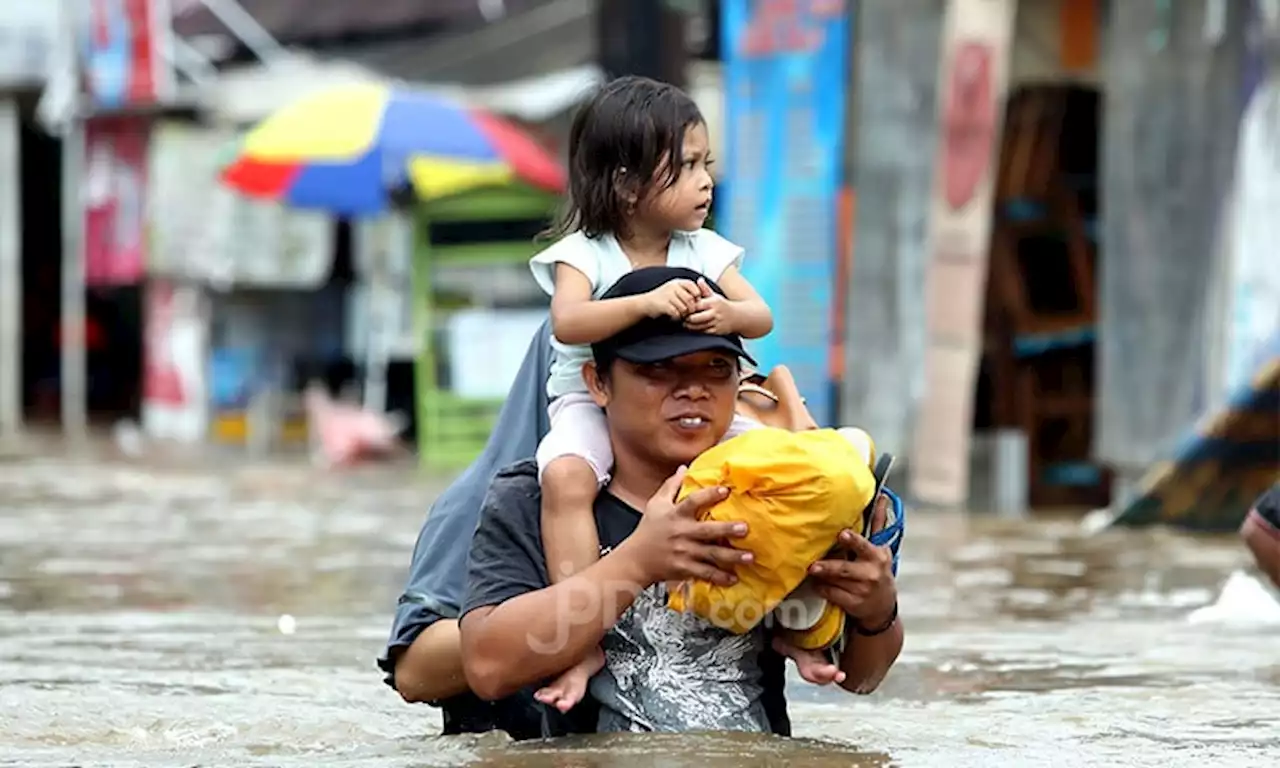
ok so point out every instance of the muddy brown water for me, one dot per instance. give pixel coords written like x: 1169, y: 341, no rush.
x: 139, y: 626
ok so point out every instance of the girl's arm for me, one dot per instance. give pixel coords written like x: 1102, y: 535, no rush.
x: 577, y: 319
x: 750, y: 317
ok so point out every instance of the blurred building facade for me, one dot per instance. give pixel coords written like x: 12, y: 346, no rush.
x: 1109, y: 273
x: 1124, y: 286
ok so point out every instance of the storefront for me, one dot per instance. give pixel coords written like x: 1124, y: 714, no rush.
x: 260, y: 283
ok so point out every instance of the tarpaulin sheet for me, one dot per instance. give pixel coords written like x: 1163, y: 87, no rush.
x: 1171, y: 119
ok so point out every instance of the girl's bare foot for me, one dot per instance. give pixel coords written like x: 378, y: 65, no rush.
x: 570, y: 687
x: 812, y: 665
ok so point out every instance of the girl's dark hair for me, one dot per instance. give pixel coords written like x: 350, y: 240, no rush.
x: 616, y: 144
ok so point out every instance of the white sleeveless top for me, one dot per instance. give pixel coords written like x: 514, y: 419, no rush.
x: 603, y: 261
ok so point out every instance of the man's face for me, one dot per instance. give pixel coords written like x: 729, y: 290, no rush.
x: 668, y: 412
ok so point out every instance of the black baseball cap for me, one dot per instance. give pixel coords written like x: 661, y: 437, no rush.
x: 655, y: 339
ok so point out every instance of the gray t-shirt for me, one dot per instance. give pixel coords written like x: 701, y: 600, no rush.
x: 664, y: 671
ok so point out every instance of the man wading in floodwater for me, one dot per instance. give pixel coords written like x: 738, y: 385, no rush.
x: 665, y: 671
x: 423, y: 659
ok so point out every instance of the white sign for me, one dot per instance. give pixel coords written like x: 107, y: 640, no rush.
x: 201, y: 229
x: 486, y: 349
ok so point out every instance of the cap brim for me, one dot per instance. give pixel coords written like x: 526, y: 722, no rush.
x: 658, y: 348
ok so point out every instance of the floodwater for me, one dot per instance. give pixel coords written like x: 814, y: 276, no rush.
x: 140, y: 626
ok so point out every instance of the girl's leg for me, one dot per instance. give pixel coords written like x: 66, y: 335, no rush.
x: 573, y: 463
x: 574, y: 460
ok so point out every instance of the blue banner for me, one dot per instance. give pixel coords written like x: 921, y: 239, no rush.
x: 785, y: 82
x: 123, y: 44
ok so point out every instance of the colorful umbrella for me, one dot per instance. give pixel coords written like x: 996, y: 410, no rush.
x: 347, y: 149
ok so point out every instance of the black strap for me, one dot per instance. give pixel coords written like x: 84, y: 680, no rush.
x: 880, y: 630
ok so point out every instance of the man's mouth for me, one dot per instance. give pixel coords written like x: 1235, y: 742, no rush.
x: 691, y: 422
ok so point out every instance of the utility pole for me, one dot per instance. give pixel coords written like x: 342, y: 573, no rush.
x: 74, y: 371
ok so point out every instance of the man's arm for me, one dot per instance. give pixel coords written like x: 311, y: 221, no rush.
x: 866, y: 660
x: 867, y: 586
x: 537, y: 635
x: 515, y: 628
x: 423, y: 659
x: 430, y: 668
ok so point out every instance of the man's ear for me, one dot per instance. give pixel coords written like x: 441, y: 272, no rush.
x: 596, y: 384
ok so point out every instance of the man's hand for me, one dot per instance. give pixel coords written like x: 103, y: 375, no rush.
x: 864, y: 587
x: 671, y: 544
x: 712, y: 314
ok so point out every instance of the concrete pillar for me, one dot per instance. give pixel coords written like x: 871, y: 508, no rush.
x: 894, y: 122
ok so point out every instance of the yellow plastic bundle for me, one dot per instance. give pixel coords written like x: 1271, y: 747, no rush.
x: 796, y: 491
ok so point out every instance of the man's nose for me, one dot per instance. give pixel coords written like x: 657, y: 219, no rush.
x: 693, y: 387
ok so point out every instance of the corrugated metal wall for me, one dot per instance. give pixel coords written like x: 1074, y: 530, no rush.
x: 1170, y: 124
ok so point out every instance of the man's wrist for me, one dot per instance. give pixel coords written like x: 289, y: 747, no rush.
x: 878, y: 623
x: 629, y: 567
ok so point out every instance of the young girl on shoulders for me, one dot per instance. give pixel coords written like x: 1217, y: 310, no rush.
x: 640, y: 191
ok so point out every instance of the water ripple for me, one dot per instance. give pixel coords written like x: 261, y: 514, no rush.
x: 138, y: 627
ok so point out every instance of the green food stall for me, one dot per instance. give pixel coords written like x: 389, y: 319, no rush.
x: 470, y: 257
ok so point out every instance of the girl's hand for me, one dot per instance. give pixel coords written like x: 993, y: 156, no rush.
x: 674, y: 299
x: 712, y: 314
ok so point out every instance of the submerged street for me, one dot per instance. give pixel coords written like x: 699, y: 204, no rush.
x: 141, y: 625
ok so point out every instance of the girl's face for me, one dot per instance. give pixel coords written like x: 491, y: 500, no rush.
x: 685, y: 204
